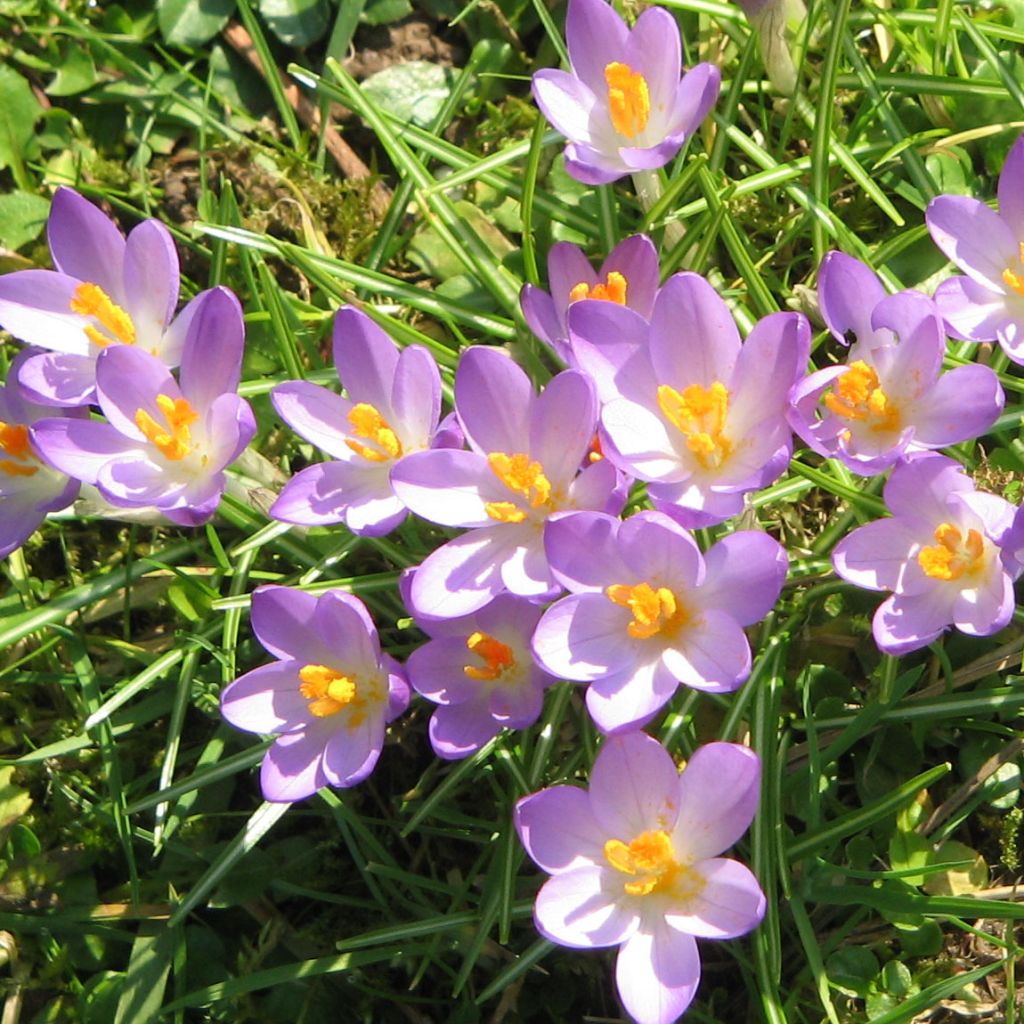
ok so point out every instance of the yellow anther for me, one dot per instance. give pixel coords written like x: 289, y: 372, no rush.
x: 368, y: 423
x: 91, y: 300
x: 856, y: 395
x: 654, y: 611
x: 613, y: 289
x: 629, y: 100
x: 700, y: 414
x: 522, y: 477
x: 497, y: 657
x: 651, y: 860
x: 954, y: 555
x: 14, y: 443
x: 327, y: 690
x: 1013, y: 277
x: 174, y: 440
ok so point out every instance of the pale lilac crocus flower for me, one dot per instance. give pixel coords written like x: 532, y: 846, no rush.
x: 988, y: 303
x: 623, y: 107
x: 647, y: 611
x: 688, y: 406
x: 628, y: 277
x: 106, y: 291
x: 327, y: 698
x: 891, y: 399
x: 29, y: 488
x: 939, y: 555
x: 392, y: 410
x: 523, y: 467
x: 480, y: 673
x: 163, y: 445
x: 634, y: 863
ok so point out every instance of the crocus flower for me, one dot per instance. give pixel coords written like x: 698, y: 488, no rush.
x: 163, y: 444
x: 392, y: 409
x: 524, y: 467
x: 939, y: 554
x: 29, y: 488
x: 647, y: 611
x: 327, y: 698
x: 623, y: 107
x: 987, y: 304
x: 688, y: 407
x: 479, y: 671
x: 629, y: 277
x: 635, y: 863
x: 106, y: 291
x: 890, y: 399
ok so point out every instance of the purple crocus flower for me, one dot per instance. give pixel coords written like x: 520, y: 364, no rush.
x: 479, y: 671
x: 327, y: 698
x: 29, y: 488
x: 623, y: 107
x: 688, y: 407
x: 628, y: 277
x: 939, y: 554
x: 889, y: 399
x: 647, y: 611
x: 635, y: 863
x: 987, y: 304
x: 162, y: 445
x: 524, y: 467
x: 106, y: 291
x: 392, y: 410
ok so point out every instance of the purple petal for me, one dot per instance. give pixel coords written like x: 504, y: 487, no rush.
x: 730, y: 904
x: 744, y: 573
x: 636, y: 259
x: 905, y: 623
x: 85, y: 243
x: 650, y: 158
x: 351, y: 752
x: 593, y: 167
x: 416, y: 396
x: 963, y: 404
x: 282, y: 621
x: 230, y: 426
x: 172, y: 342
x: 448, y: 486
x: 657, y: 973
x: 600, y: 487
x: 875, y: 556
x: 582, y: 550
x: 986, y: 608
x: 653, y: 49
x: 660, y: 552
x: 558, y: 829
x: 625, y: 701
x: 150, y: 279
x: 525, y: 569
x: 365, y: 358
x: 713, y: 654
x: 974, y: 237
x: 567, y: 267
x: 919, y: 487
x: 79, y: 448
x: 579, y: 908
x: 562, y: 425
x: 343, y: 624
x: 1011, y: 189
x: 609, y: 342
x: 60, y: 379
x: 266, y: 700
x: 540, y: 315
x: 972, y: 311
x: 436, y: 670
x: 634, y: 786
x: 719, y: 792
x: 640, y: 442
x: 458, y: 730
x: 313, y: 497
x: 35, y: 306
x: 128, y: 380
x: 314, y: 413
x: 566, y: 102
x: 848, y: 291
x: 583, y: 637
x: 695, y: 95
x: 494, y: 398
x: 135, y: 480
x: 293, y: 767
x: 596, y: 36
x: 211, y: 362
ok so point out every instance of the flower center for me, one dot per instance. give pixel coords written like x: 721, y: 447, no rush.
x: 629, y: 100
x: 91, y: 300
x: 654, y: 611
x: 1013, y: 277
x: 954, y: 555
x: 367, y: 422
x: 497, y: 657
x: 522, y: 477
x: 174, y: 440
x: 612, y: 290
x: 700, y: 413
x: 856, y: 395
x: 651, y: 860
x: 326, y: 690
x: 14, y: 443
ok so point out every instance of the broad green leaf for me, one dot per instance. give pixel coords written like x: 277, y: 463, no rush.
x: 382, y: 12
x: 296, y: 22
x: 851, y: 970
x: 21, y: 110
x: 192, y: 22
x: 143, y: 990
x: 14, y: 801
x: 957, y: 881
x: 75, y: 73
x: 22, y: 218
x: 415, y: 91
x: 909, y: 850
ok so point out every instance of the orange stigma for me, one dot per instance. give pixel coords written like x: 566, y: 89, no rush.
x: 174, y: 441
x: 654, y: 611
x: 651, y: 860
x: 856, y: 395
x: 700, y: 413
x: 14, y: 443
x: 91, y: 300
x: 612, y: 290
x: 497, y: 657
x: 326, y: 690
x: 954, y: 555
x: 367, y: 422
x: 522, y: 477
x: 1013, y: 277
x: 629, y: 99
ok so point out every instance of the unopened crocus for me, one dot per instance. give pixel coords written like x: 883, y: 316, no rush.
x: 327, y: 698
x: 107, y: 291
x: 628, y: 277
x: 891, y: 399
x: 162, y: 444
x: 987, y: 304
x: 479, y: 671
x: 939, y: 555
x: 778, y: 24
x: 634, y: 863
x: 647, y: 611
x: 688, y: 406
x: 623, y: 107
x: 392, y: 409
x: 29, y: 488
x: 523, y: 467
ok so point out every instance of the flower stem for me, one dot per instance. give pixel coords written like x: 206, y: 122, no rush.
x: 649, y: 191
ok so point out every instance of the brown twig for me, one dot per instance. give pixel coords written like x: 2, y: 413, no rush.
x: 348, y: 161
